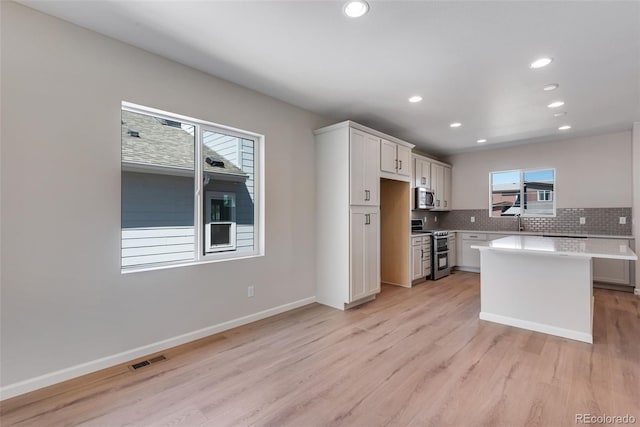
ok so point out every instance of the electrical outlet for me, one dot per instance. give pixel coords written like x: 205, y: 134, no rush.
x: 435, y: 219
x: 473, y: 219
x: 583, y: 220
x: 623, y: 220
x: 425, y: 219
x: 250, y: 291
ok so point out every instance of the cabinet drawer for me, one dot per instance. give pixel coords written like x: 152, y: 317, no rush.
x: 473, y: 236
x: 416, y: 241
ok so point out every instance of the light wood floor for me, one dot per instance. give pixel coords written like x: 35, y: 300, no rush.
x: 414, y: 357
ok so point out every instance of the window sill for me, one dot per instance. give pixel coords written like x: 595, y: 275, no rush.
x: 188, y: 264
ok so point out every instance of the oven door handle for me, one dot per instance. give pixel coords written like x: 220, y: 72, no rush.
x: 442, y: 252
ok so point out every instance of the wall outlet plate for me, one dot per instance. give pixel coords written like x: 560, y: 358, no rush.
x: 250, y: 291
x: 583, y: 220
x: 473, y: 219
x: 623, y: 220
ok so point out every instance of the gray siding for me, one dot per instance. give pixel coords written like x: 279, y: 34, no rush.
x: 152, y: 200
x: 157, y: 217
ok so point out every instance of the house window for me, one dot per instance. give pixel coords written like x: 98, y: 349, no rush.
x: 220, y: 222
x: 178, y: 210
x: 544, y: 195
x: 522, y: 192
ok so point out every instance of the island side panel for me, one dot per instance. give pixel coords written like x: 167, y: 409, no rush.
x: 545, y: 293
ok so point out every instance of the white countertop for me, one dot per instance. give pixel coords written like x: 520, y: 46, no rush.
x: 566, y: 246
x: 536, y: 233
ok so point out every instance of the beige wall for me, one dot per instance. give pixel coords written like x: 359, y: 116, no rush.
x: 64, y: 300
x: 591, y: 172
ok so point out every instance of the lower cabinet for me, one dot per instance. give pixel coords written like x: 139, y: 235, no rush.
x: 453, y: 251
x: 615, y: 271
x: 469, y: 259
x: 365, y: 252
x: 420, y: 258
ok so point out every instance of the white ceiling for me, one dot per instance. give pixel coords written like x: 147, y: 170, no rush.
x: 468, y: 60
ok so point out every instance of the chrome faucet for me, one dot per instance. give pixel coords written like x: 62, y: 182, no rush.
x: 520, y: 226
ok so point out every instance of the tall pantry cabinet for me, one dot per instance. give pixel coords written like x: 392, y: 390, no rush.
x: 348, y: 215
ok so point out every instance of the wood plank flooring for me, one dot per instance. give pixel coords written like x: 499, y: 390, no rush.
x: 413, y: 357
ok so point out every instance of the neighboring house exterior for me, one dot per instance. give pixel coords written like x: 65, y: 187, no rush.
x: 158, y: 191
x: 538, y: 199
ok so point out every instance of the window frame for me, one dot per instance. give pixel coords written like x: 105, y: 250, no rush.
x: 200, y: 254
x: 522, y: 194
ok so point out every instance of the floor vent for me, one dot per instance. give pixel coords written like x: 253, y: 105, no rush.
x: 147, y: 362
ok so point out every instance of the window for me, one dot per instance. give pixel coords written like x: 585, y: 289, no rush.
x: 522, y: 192
x: 544, y: 195
x: 177, y: 210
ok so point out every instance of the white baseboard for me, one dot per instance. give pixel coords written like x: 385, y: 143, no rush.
x: 636, y: 291
x: 538, y: 327
x: 51, y: 378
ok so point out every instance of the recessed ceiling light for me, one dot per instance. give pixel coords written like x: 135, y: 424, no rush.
x: 481, y: 141
x: 455, y: 125
x: 415, y: 98
x: 541, y: 62
x: 556, y: 104
x: 550, y: 87
x: 560, y: 114
x: 564, y: 127
x: 355, y: 9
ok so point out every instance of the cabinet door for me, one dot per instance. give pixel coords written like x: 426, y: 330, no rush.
x: 611, y: 271
x: 364, y: 164
x: 372, y: 170
x: 469, y: 257
x: 447, y: 188
x: 404, y: 160
x: 365, y: 253
x: 437, y: 183
x: 372, y: 252
x: 388, y: 156
x: 422, y: 173
x: 416, y: 262
x: 453, y: 255
x: 426, y: 258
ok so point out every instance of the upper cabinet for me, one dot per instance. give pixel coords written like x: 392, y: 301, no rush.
x: 421, y: 172
x: 395, y: 160
x: 364, y: 158
x: 435, y: 176
x: 441, y: 186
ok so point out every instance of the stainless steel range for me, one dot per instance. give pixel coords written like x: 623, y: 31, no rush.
x: 439, y: 249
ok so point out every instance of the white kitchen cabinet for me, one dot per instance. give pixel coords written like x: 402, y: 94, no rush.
x: 453, y: 257
x: 421, y: 172
x: 426, y: 256
x: 395, y: 160
x: 615, y: 271
x: 365, y: 252
x: 416, y: 258
x: 468, y: 258
x: 348, y: 228
x: 364, y: 170
x: 447, y: 188
x: 441, y: 186
x: 420, y: 258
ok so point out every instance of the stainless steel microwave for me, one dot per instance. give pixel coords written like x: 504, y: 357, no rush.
x: 424, y: 198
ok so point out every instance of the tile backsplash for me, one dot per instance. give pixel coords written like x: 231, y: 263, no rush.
x: 567, y: 220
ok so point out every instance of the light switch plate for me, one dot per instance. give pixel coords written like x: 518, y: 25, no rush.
x: 623, y: 220
x: 583, y: 220
x: 473, y: 219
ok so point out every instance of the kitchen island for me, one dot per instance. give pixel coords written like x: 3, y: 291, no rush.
x: 543, y: 284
